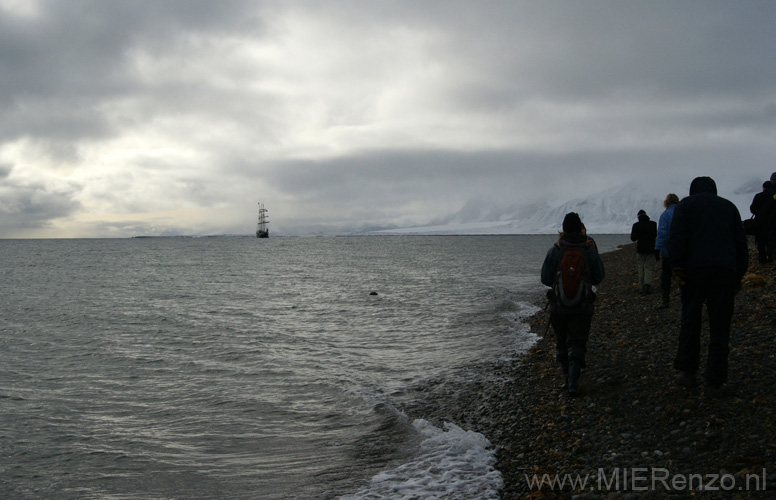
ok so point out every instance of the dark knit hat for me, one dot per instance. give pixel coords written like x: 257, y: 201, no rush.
x: 572, y: 223
x: 641, y: 212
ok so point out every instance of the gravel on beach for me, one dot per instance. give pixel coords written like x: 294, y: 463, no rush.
x: 632, y: 423
x: 633, y: 433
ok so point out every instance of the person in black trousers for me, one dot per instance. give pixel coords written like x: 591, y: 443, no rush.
x: 760, y: 207
x: 709, y: 255
x: 572, y: 322
x: 663, y: 227
x: 644, y: 233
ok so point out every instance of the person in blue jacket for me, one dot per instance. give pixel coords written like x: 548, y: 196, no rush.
x: 663, y: 226
x: 709, y: 254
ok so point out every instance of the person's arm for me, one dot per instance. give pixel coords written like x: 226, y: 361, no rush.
x: 550, y: 266
x: 662, y: 231
x: 596, y: 266
x: 677, y: 237
x: 742, y: 247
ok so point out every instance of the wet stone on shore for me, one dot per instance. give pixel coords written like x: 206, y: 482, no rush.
x: 631, y: 418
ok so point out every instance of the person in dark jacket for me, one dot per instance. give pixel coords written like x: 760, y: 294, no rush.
x: 644, y: 233
x: 709, y: 254
x: 663, y: 227
x: 770, y: 217
x: 760, y: 207
x: 572, y: 324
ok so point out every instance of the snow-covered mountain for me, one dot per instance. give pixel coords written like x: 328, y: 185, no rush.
x: 612, y: 211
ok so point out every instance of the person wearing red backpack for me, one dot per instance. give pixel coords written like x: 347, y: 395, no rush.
x: 572, y: 267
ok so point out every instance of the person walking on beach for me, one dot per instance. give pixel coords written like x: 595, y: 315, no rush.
x: 644, y: 233
x: 770, y: 217
x: 708, y: 251
x: 663, y: 226
x: 572, y: 267
x: 760, y: 207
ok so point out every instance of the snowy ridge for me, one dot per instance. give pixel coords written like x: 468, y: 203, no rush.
x: 612, y: 211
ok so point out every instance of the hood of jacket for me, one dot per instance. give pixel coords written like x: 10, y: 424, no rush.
x: 703, y: 185
x: 575, y: 238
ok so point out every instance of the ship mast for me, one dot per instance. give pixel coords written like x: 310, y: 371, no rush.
x: 261, y: 229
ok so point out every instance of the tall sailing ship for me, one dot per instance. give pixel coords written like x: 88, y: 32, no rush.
x: 261, y: 230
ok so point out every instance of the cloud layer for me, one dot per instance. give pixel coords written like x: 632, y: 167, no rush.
x: 160, y: 117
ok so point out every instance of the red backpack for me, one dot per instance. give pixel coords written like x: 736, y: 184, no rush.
x: 572, y: 284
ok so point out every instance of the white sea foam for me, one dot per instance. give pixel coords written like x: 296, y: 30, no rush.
x: 452, y: 464
x: 517, y: 313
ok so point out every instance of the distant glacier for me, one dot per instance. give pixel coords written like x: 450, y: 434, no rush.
x: 612, y: 211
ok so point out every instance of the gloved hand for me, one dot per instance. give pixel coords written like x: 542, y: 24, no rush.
x: 657, y: 255
x: 679, y: 276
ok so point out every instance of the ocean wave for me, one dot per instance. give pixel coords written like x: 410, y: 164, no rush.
x: 453, y: 463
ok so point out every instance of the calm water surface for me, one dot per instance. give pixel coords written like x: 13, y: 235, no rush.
x: 236, y: 368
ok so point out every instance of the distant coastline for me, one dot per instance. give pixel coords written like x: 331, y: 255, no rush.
x: 194, y: 237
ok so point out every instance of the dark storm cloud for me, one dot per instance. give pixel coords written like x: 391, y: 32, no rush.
x: 599, y: 51
x: 384, y: 182
x: 32, y: 206
x: 58, y: 69
x: 671, y: 49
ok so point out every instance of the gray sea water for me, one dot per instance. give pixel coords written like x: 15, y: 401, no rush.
x: 203, y: 368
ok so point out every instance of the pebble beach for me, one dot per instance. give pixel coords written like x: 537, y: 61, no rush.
x: 633, y: 433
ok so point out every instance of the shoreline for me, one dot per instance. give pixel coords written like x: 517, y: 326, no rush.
x: 631, y: 421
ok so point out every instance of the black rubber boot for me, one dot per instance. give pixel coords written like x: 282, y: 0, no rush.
x: 565, y: 377
x: 574, y: 371
x: 665, y: 295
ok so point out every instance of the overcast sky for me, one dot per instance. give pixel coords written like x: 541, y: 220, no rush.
x: 123, y: 118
